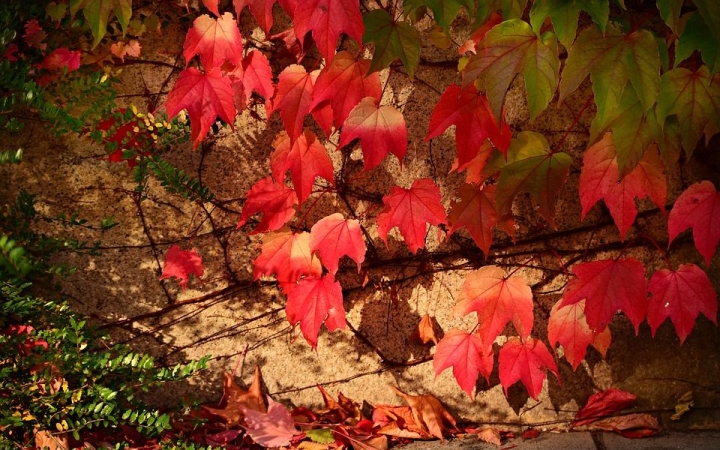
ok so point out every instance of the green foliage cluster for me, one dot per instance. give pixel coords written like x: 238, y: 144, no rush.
x: 62, y: 375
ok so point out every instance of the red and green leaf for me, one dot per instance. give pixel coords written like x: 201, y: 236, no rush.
x: 533, y: 167
x: 393, y: 39
x: 513, y: 48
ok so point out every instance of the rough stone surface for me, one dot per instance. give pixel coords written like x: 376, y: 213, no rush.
x: 242, y: 323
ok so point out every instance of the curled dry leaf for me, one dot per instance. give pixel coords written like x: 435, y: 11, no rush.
x: 425, y: 332
x: 631, y: 426
x: 341, y: 410
x: 51, y: 441
x: 235, y: 400
x: 487, y: 434
x: 602, y: 404
x: 428, y: 413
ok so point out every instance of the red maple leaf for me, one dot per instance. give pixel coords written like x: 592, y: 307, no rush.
x: 496, y: 300
x: 293, y: 97
x: 306, y: 159
x: 120, y: 137
x: 381, y: 130
x: 525, y: 360
x: 475, y: 169
x: 274, y: 200
x: 327, y: 19
x: 312, y: 301
x: 262, y: 10
x: 205, y: 96
x: 467, y: 355
x: 602, y: 404
x: 608, y: 286
x: 410, y: 210
x: 334, y: 237
x: 62, y: 58
x: 35, y: 36
x: 568, y: 326
x: 215, y: 40
x: 343, y: 83
x: 213, y: 6
x: 474, y: 122
x: 698, y: 207
x: 287, y: 255
x: 252, y: 75
x: 475, y: 210
x: 181, y: 263
x: 681, y: 295
x: 600, y: 179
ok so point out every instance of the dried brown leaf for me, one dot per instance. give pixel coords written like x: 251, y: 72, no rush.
x: 425, y: 332
x: 49, y: 441
x: 428, y: 413
x: 630, y: 426
x: 234, y: 398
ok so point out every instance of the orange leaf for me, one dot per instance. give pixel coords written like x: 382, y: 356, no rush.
x: 428, y: 413
x: 235, y: 398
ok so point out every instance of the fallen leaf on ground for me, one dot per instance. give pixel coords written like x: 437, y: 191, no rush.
x: 603, y: 404
x: 272, y: 429
x: 341, y: 410
x: 683, y: 405
x: 489, y: 435
x: 236, y: 400
x: 428, y: 413
x: 51, y: 441
x: 631, y: 426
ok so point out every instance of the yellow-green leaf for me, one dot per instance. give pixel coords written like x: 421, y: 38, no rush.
x: 611, y: 61
x: 564, y: 16
x: 97, y: 13
x: 694, y: 97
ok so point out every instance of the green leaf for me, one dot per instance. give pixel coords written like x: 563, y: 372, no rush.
x: 444, y: 11
x: 696, y: 35
x: 532, y: 167
x: 512, y: 48
x: 670, y: 12
x: 710, y: 12
x: 631, y: 128
x: 564, y: 16
x: 694, y: 99
x: 97, y: 13
x: 513, y: 9
x: 393, y: 39
x: 611, y: 61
